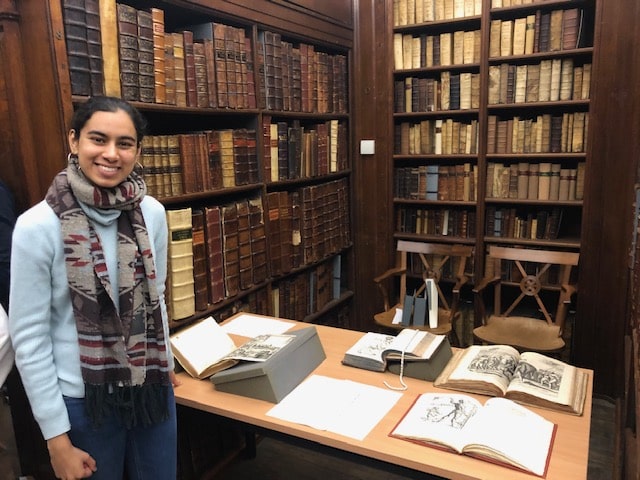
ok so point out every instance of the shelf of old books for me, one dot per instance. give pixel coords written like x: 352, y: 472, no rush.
x: 232, y: 108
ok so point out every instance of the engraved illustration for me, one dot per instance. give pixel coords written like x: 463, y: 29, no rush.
x: 547, y: 377
x: 452, y: 411
x: 494, y: 362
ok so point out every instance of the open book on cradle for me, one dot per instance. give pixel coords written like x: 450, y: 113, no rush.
x: 206, y: 348
x: 500, y: 431
x: 373, y: 351
x: 529, y: 377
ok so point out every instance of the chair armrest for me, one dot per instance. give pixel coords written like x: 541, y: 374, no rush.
x: 462, y: 280
x: 567, y: 291
x: 484, y: 283
x: 389, y: 273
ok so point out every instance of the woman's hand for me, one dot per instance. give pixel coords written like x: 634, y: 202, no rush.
x: 175, y: 381
x: 69, y: 462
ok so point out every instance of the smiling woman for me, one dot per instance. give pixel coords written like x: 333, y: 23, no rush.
x: 92, y: 348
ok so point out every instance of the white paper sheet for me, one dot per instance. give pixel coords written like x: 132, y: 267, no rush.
x: 251, y: 326
x: 344, y: 407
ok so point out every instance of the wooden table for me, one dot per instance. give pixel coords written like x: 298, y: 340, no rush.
x: 570, y: 449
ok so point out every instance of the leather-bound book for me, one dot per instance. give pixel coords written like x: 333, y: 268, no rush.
x: 79, y: 50
x: 215, y: 262
x: 247, y: 61
x: 190, y: 68
x: 128, y: 42
x: 179, y: 68
x: 230, y: 64
x: 555, y: 30
x: 157, y: 18
x: 181, y: 296
x: 286, y: 243
x: 283, y: 150
x: 221, y: 64
x: 94, y: 46
x: 110, y: 47
x: 189, y: 162
x: 252, y: 156
x: 210, y: 62
x: 147, y: 160
x: 240, y: 157
x: 227, y: 158
x: 258, y: 240
x: 231, y: 253
x: 215, y: 159
x: 165, y: 164
x: 266, y: 147
x: 200, y: 268
x: 245, y: 264
x: 175, y: 165
x: 274, y: 233
x: 296, y: 80
x: 146, y: 65
x: 202, y: 82
x: 169, y: 70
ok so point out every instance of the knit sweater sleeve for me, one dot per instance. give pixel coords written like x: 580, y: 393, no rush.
x: 41, y: 319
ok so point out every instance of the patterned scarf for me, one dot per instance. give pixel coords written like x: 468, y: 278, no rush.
x: 123, y: 354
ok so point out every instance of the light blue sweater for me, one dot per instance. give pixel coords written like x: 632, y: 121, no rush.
x: 41, y: 322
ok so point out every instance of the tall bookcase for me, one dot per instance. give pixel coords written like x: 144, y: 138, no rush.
x: 242, y: 115
x: 302, y: 256
x: 490, y: 119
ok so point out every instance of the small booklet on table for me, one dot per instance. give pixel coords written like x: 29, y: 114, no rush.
x: 500, y: 431
x: 373, y: 350
x: 529, y: 377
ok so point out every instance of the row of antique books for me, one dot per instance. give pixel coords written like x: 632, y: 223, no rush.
x: 546, y: 133
x: 218, y: 251
x: 437, y: 182
x: 410, y: 12
x: 440, y: 136
x: 533, y: 224
x: 452, y: 222
x: 543, y: 31
x: 118, y: 50
x: 294, y: 150
x: 548, y: 81
x: 199, y: 161
x: 309, y: 291
x: 451, y: 91
x: 448, y: 48
x: 535, y: 181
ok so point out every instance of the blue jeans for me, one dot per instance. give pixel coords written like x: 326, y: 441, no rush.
x: 145, y: 453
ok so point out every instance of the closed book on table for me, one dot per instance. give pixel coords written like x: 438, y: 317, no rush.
x: 283, y: 371
x: 426, y: 369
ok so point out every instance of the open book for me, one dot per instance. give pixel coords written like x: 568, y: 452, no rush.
x: 202, y: 348
x: 501, y: 431
x: 373, y: 350
x: 529, y: 377
x: 205, y: 348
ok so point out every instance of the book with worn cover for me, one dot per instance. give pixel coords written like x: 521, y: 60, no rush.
x: 180, y: 279
x: 529, y: 377
x: 492, y: 432
x: 373, y: 350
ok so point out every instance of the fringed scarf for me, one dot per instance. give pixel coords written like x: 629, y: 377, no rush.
x: 123, y: 354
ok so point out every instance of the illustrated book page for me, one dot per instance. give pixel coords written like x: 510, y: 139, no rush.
x: 531, y: 378
x: 500, y: 431
x: 372, y: 350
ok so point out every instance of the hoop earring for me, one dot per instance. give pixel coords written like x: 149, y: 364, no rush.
x: 71, y: 156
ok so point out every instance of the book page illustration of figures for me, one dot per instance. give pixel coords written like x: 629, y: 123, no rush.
x: 546, y: 375
x: 494, y: 362
x: 373, y: 345
x: 449, y: 411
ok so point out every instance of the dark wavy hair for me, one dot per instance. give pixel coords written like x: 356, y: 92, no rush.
x: 108, y: 104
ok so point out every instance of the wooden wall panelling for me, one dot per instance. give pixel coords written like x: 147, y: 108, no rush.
x: 373, y: 213
x: 18, y: 167
x: 309, y: 18
x: 609, y: 194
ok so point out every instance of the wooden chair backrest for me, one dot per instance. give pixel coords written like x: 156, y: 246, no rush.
x: 531, y: 284
x: 431, y: 269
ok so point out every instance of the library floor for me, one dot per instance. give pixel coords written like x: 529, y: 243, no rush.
x: 277, y: 459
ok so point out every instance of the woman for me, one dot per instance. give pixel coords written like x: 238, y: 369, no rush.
x: 87, y: 319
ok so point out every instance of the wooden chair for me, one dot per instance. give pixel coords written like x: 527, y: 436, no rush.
x: 434, y: 258
x: 540, y: 326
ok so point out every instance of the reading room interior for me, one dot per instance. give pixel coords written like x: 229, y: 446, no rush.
x: 398, y: 233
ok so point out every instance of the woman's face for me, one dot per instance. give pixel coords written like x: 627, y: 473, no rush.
x: 107, y: 147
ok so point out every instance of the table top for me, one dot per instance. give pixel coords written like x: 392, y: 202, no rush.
x: 569, y: 457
